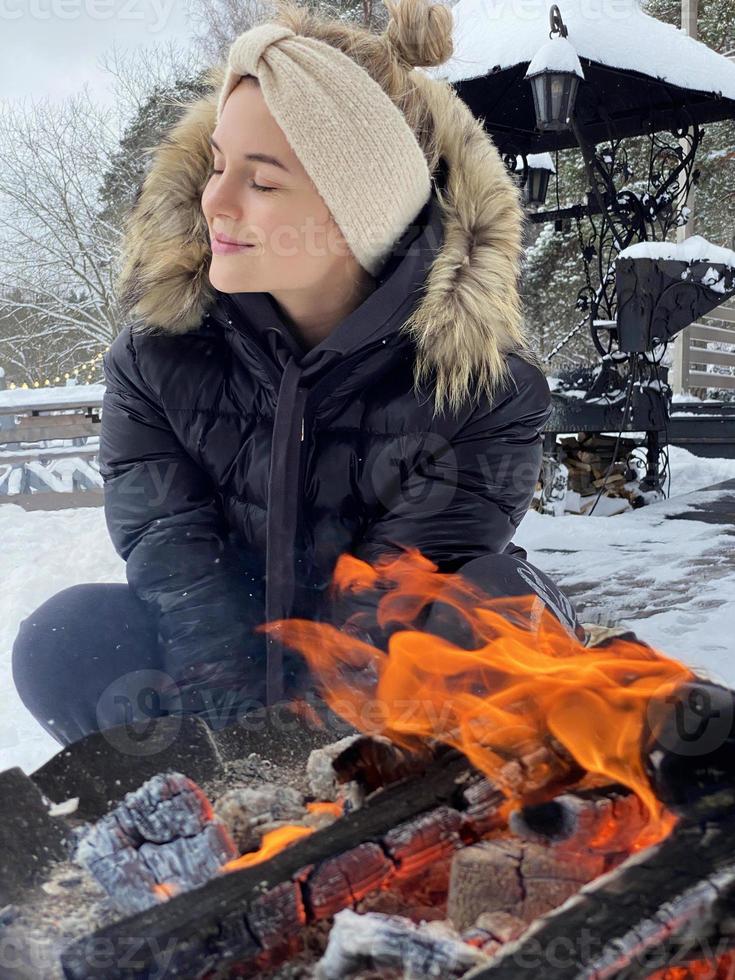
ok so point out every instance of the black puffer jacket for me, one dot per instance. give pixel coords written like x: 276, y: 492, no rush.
x: 238, y: 467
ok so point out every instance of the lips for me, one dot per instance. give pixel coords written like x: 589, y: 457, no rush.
x: 224, y: 245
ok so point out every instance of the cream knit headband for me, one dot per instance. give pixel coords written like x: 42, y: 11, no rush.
x: 351, y: 139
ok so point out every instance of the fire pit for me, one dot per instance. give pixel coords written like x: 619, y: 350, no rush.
x: 520, y: 803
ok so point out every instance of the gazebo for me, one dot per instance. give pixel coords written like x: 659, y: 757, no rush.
x: 588, y: 74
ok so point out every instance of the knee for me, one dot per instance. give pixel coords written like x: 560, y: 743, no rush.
x: 42, y: 632
x: 496, y: 574
x: 506, y: 575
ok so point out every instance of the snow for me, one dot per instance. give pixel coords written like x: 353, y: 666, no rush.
x: 670, y: 579
x: 557, y: 55
x: 73, y: 394
x: 490, y: 34
x: 43, y: 552
x: 693, y: 249
x: 539, y: 161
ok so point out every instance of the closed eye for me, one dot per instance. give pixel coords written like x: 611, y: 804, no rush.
x: 261, y: 187
x: 257, y: 187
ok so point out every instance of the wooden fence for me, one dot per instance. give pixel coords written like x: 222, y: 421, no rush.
x: 49, y: 442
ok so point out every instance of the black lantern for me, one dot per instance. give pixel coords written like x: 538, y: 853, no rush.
x: 540, y: 168
x: 554, y: 73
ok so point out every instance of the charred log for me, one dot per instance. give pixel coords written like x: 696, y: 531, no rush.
x: 607, y: 821
x: 374, y: 762
x: 391, y: 943
x: 522, y: 879
x: 690, y: 749
x: 667, y: 905
x: 195, y: 932
x: 249, y: 812
x: 160, y: 840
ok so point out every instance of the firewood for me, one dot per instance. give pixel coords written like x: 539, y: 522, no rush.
x: 160, y: 840
x: 324, y: 782
x: 690, y: 748
x: 374, y: 761
x: 392, y: 943
x: 520, y: 878
x: 610, y: 480
x: 607, y: 821
x: 196, y: 929
x: 664, y: 906
x: 249, y: 812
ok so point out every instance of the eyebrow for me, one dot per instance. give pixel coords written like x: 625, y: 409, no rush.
x: 257, y: 157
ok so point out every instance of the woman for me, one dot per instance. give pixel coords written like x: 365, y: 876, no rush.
x: 326, y: 357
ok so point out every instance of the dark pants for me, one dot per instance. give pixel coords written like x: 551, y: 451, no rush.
x: 87, y: 659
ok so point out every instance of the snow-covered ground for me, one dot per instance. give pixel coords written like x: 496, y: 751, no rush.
x: 671, y: 579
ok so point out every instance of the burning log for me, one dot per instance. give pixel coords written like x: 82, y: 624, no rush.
x: 228, y: 917
x: 519, y: 878
x: 320, y: 771
x: 373, y: 761
x: 160, y: 840
x: 250, y: 812
x: 667, y: 905
x: 392, y: 943
x: 690, y: 748
x: 607, y: 821
x: 493, y: 929
x: 359, y: 764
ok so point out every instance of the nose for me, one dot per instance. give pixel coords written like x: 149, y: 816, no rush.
x: 220, y: 197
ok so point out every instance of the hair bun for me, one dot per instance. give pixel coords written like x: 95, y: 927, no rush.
x: 419, y: 32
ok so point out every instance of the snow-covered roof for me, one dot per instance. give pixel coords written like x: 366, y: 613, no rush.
x: 616, y: 33
x: 558, y: 54
x: 693, y: 249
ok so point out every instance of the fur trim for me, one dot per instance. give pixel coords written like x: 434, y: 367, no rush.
x: 470, y: 316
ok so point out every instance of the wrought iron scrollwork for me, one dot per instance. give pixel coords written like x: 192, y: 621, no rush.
x: 623, y: 215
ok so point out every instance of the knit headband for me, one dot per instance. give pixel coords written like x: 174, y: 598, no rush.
x: 351, y: 139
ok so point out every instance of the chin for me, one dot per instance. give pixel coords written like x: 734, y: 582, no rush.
x: 229, y: 281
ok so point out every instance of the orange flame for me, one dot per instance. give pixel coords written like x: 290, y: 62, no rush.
x: 280, y: 838
x: 273, y: 842
x: 335, y: 809
x: 721, y: 968
x: 166, y: 890
x: 518, y: 690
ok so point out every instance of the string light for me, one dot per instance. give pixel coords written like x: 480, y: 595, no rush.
x: 47, y: 383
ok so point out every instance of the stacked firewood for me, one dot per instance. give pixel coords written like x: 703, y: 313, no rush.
x: 589, y: 458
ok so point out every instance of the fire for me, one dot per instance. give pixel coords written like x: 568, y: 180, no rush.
x: 273, y: 842
x: 515, y: 696
x: 722, y: 968
x: 166, y: 890
x: 334, y: 809
x: 276, y: 840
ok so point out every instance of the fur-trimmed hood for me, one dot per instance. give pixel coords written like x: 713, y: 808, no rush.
x: 470, y: 314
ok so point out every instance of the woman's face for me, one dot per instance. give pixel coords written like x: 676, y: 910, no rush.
x: 292, y: 240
